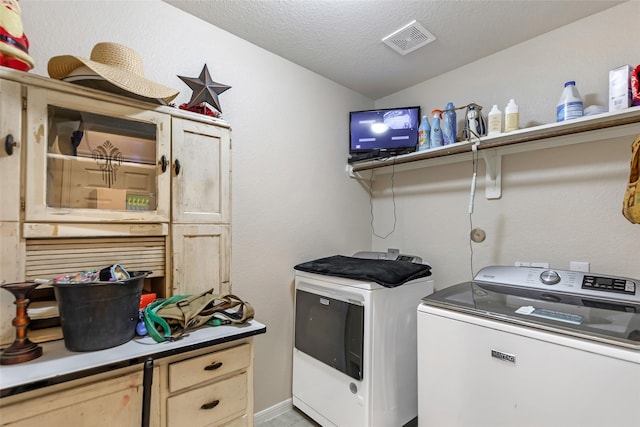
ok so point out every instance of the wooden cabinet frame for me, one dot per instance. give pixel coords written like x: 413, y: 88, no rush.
x: 190, y: 225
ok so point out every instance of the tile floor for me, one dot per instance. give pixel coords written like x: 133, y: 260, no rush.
x: 291, y: 418
x: 294, y: 418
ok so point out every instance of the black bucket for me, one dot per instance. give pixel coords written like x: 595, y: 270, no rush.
x: 99, y: 315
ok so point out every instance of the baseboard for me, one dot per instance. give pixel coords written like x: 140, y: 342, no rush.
x: 272, y: 412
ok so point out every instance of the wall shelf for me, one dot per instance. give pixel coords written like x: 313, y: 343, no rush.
x: 585, y: 129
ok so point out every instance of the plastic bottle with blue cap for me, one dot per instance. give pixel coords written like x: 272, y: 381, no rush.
x: 570, y: 105
x: 449, y: 124
x: 436, y: 138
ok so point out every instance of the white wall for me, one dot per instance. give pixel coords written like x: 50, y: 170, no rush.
x: 558, y: 205
x: 292, y: 201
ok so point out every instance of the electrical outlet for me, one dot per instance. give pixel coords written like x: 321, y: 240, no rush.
x: 531, y: 264
x: 579, y: 266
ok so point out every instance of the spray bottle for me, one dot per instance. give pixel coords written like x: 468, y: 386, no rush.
x: 437, y: 140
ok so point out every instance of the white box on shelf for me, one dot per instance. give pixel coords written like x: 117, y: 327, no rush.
x: 620, y: 88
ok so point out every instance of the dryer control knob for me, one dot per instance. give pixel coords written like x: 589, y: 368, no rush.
x: 550, y: 277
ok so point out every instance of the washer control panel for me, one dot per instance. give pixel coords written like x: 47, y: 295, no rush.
x: 609, y: 284
x: 564, y: 281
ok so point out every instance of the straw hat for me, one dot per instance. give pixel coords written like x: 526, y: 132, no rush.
x: 116, y: 64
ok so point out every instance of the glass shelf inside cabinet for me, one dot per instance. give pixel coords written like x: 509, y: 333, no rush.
x: 100, y: 162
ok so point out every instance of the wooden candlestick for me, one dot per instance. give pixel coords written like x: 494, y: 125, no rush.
x: 22, y: 349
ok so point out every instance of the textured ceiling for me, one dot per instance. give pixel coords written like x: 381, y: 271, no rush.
x: 341, y: 39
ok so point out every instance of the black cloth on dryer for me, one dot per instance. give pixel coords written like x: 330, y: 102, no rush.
x: 387, y: 273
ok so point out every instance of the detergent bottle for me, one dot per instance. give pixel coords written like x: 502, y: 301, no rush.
x: 436, y: 138
x: 511, y: 116
x: 449, y: 131
x: 424, y: 134
x: 495, y: 121
x: 570, y: 104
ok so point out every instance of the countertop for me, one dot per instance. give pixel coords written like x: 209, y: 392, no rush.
x: 57, y: 364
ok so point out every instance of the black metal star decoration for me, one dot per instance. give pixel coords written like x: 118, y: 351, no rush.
x: 205, y: 89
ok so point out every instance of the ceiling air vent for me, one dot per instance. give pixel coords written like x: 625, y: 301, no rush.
x: 409, y: 38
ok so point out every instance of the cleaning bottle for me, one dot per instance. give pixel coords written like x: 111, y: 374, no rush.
x: 423, y: 134
x: 570, y: 104
x: 511, y: 117
x: 449, y: 124
x: 436, y: 138
x: 495, y: 121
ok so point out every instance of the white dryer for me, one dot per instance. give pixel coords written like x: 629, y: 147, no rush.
x: 354, y: 356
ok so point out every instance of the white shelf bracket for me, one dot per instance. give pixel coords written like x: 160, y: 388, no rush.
x: 355, y: 175
x: 493, y: 178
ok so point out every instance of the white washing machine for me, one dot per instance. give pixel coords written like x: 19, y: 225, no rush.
x: 530, y: 347
x: 354, y: 356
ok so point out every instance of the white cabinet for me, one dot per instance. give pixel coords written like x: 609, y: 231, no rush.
x: 112, y: 400
x: 201, y: 202
x: 200, y: 258
x: 200, y: 173
x: 10, y: 155
x: 11, y: 150
x: 116, y: 156
x: 96, y: 179
x: 211, y: 385
x: 211, y: 389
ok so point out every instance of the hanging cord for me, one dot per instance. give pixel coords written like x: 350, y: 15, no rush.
x: 393, y: 198
x: 470, y: 133
x: 472, y: 193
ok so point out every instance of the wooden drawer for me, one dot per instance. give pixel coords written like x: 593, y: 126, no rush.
x: 111, y: 402
x: 200, y: 369
x: 238, y: 422
x: 213, y: 404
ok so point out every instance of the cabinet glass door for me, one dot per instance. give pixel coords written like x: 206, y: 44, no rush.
x: 93, y: 161
x: 100, y: 162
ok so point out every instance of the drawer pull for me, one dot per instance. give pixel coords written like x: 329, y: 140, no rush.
x: 210, y: 405
x: 213, y: 366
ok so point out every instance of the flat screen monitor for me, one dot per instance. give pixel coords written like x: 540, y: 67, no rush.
x: 391, y: 130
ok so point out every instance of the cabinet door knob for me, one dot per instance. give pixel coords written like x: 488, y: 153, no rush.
x: 164, y: 163
x: 213, y: 366
x: 177, y: 166
x: 9, y: 143
x: 210, y: 405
